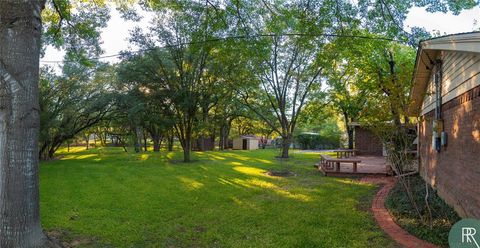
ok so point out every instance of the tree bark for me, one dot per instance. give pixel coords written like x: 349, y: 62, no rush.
x: 20, y: 32
x: 170, y: 142
x: 136, y: 137
x: 285, y: 146
x: 227, y: 133
x: 221, y: 142
x: 347, y: 120
x: 212, y: 142
x: 224, y: 133
x: 187, y: 150
x: 201, y: 143
x: 157, y: 142
x: 350, y: 137
x: 87, y: 140
x: 51, y: 153
x: 145, y: 145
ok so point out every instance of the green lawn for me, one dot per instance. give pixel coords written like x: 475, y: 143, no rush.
x: 223, y: 199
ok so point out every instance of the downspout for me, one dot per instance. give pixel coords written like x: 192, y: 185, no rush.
x: 438, y: 133
x: 438, y: 89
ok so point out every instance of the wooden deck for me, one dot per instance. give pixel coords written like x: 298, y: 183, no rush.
x: 370, y: 165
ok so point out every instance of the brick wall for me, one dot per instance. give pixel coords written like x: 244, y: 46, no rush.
x: 367, y: 143
x: 455, y: 171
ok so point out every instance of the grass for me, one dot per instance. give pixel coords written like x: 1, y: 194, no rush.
x: 223, y: 199
x: 443, y: 216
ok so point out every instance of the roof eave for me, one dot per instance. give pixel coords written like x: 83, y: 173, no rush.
x: 428, y: 51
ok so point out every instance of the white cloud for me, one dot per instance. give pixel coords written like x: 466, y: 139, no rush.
x: 114, y: 37
x: 445, y: 23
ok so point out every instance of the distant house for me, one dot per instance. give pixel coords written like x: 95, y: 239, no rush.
x: 246, y: 143
x: 446, y: 97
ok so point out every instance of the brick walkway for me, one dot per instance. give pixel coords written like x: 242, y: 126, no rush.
x: 385, y: 221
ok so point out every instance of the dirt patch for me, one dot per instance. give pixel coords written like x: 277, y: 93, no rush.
x: 280, y: 158
x: 280, y: 173
x: 200, y: 229
x: 64, y: 239
x: 56, y: 158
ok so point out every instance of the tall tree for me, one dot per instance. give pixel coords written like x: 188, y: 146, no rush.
x: 72, y: 103
x: 348, y: 91
x: 177, y: 82
x: 20, y: 45
x: 20, y: 34
x: 140, y: 103
x: 179, y: 69
x: 287, y: 68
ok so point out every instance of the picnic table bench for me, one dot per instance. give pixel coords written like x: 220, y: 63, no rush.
x: 328, y: 162
x: 345, y: 153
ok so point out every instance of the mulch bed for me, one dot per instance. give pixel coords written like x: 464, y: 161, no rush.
x: 385, y: 221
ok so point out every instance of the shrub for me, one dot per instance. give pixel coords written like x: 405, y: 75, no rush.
x: 317, y: 141
x: 443, y: 216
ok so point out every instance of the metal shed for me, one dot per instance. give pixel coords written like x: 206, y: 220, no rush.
x: 245, y: 143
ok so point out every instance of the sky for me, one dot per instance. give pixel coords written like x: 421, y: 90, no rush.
x: 115, y: 36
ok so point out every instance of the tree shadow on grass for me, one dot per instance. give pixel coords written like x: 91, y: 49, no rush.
x: 229, y: 197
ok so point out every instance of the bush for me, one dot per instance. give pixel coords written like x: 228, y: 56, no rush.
x: 443, y: 216
x: 317, y: 141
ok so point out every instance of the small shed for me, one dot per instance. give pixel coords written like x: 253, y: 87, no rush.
x: 245, y: 143
x: 446, y: 98
x: 366, y: 142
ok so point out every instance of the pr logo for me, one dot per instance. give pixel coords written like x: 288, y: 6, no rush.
x: 468, y: 235
x: 465, y: 234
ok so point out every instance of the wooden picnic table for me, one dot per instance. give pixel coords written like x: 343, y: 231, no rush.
x: 345, y: 153
x: 329, y: 162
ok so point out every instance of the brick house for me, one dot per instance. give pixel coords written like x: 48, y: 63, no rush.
x: 446, y: 98
x: 366, y: 142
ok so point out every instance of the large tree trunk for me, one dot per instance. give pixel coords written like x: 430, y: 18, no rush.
x: 20, y: 30
x: 156, y: 144
x: 350, y: 136
x: 156, y: 137
x: 227, y: 133
x: 349, y: 128
x: 136, y: 138
x: 224, y: 132
x: 187, y: 148
x: 170, y: 142
x: 51, y: 153
x: 87, y: 140
x: 201, y: 143
x: 286, y: 141
x: 212, y: 142
x: 221, y: 142
x: 145, y: 144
